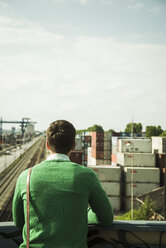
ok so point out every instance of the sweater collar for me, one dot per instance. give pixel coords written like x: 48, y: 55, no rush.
x: 58, y: 156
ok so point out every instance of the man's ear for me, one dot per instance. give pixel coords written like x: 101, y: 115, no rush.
x: 47, y: 145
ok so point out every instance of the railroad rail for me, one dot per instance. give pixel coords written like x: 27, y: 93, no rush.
x: 8, y: 178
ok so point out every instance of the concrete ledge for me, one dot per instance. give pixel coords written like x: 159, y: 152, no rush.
x: 152, y: 233
x: 117, y: 224
x: 133, y: 226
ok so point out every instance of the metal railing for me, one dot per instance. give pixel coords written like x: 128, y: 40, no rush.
x: 150, y: 234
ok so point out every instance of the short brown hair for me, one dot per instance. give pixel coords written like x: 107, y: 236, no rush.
x: 61, y: 136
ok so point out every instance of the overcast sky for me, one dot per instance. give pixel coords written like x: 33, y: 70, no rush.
x: 87, y: 61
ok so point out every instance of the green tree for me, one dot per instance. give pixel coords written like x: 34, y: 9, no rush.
x: 81, y: 131
x: 137, y: 127
x: 153, y: 131
x: 95, y: 128
x: 163, y: 134
x: 111, y: 131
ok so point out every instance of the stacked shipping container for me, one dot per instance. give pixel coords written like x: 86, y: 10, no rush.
x: 136, y: 159
x: 159, y: 145
x: 137, y: 163
x: 76, y: 157
x: 97, y: 145
x: 107, y: 147
x: 143, y: 180
x: 114, y: 150
x: 139, y: 145
x: 159, y: 149
x: 78, y: 141
x: 139, y: 148
x: 100, y: 152
x: 86, y: 142
x: 77, y: 154
x: 110, y: 178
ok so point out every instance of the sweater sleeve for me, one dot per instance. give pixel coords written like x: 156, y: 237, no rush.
x: 18, y: 208
x: 101, y: 211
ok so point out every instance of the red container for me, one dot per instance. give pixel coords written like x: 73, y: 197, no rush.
x: 93, y: 152
x: 97, y: 154
x: 114, y: 158
x: 87, y: 138
x: 97, y: 139
x: 76, y: 157
x: 100, y: 155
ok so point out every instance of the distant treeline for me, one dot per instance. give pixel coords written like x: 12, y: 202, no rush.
x: 130, y: 128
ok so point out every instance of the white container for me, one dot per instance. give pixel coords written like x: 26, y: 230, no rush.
x: 107, y: 145
x: 89, y: 152
x: 136, y: 159
x: 95, y: 162
x: 115, y: 202
x: 158, y: 145
x: 135, y: 145
x: 107, y: 154
x: 99, y: 162
x: 90, y: 159
x: 139, y: 188
x: 107, y: 136
x: 107, y: 173
x: 78, y: 146
x: 142, y: 175
x: 114, y: 145
x: 107, y: 162
x: 111, y: 188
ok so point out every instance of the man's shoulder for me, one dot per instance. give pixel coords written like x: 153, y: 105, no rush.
x: 81, y: 167
x: 24, y: 173
x: 83, y: 171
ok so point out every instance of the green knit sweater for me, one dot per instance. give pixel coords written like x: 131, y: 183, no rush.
x: 60, y: 192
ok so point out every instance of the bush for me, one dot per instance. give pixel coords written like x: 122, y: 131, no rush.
x: 145, y: 212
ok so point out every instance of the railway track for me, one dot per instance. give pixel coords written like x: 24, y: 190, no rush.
x: 8, y: 178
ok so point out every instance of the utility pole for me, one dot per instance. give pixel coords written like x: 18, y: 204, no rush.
x: 132, y: 128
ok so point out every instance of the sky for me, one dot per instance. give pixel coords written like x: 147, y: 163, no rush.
x: 86, y: 61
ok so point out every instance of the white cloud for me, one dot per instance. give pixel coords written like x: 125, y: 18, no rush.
x: 136, y: 6
x: 107, y: 2
x: 139, y: 5
x: 136, y: 37
x: 85, y: 2
x: 154, y: 9
x: 17, y: 32
x: 3, y: 4
x: 84, y: 79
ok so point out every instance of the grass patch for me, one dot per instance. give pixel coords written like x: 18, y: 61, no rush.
x: 145, y: 212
